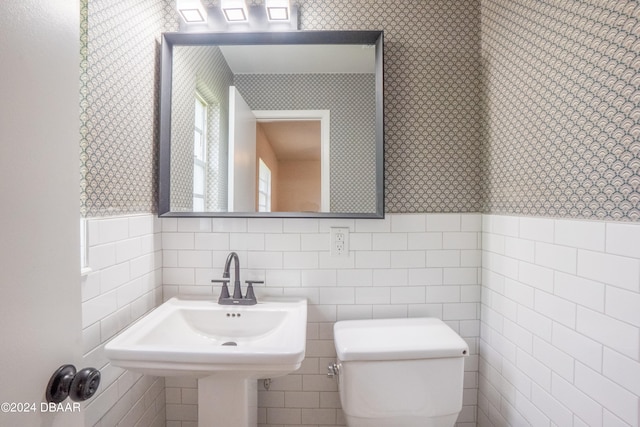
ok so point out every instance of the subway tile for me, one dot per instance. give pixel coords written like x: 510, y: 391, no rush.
x: 460, y: 276
x: 319, y: 277
x: 408, y: 259
x: 102, y: 256
x: 199, y: 259
x: 417, y: 241
x: 315, y: 242
x: 264, y: 260
x: 246, y: 242
x: 394, y: 311
x: 519, y: 292
x: 424, y: 276
x: 390, y: 276
x: 301, y: 260
x: 265, y: 225
x: 534, y: 322
x: 579, y: 403
x: 403, y: 223
x: 359, y: 242
x: 318, y: 416
x: 557, y: 360
x: 443, y: 222
x: 493, y: 243
x: 505, y: 225
x: 558, y: 309
x: 229, y: 225
x: 325, y: 224
x: 471, y: 222
x: 613, y: 333
x: 621, y: 370
x: 141, y: 225
x: 610, y: 395
x: 353, y: 312
x: 282, y: 242
x: 521, y: 249
x: 110, y: 230
x: 443, y: 258
x: 200, y: 225
x: 623, y: 305
x: 580, y: 347
x: 582, y: 291
x: 211, y: 241
x: 354, y: 277
x: 374, y: 225
x: 389, y: 241
x: 610, y: 269
x: 556, y: 411
x: 301, y: 399
x: 536, y: 276
x: 373, y: 259
x: 98, y: 308
x: 622, y: 239
x: 178, y: 241
x: 460, y: 311
x: 580, y: 234
x: 329, y: 295
x: 113, y: 277
x: 459, y: 240
x: 282, y: 278
x: 443, y: 294
x: 538, y: 229
x: 300, y: 225
x: 337, y: 262
x: 561, y: 258
x: 408, y: 295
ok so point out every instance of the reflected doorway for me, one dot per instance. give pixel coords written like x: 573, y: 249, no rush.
x: 292, y: 149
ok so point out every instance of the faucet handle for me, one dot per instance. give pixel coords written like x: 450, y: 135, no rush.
x: 224, y: 293
x: 251, y: 296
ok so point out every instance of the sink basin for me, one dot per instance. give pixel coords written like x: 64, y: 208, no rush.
x: 195, y: 337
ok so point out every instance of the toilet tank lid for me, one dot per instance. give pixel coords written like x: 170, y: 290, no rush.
x: 397, y: 339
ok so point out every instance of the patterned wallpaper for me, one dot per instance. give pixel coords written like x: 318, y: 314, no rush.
x: 562, y: 84
x: 119, y: 49
x: 201, y: 68
x: 350, y: 99
x: 432, y: 99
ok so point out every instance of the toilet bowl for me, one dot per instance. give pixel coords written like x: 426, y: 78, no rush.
x: 399, y: 372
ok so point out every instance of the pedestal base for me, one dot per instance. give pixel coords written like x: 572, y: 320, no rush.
x: 227, y: 402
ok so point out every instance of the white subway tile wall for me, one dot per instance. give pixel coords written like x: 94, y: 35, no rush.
x: 125, y: 282
x: 405, y: 265
x: 560, y: 329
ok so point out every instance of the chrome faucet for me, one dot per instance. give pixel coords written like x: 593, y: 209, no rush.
x: 237, y: 298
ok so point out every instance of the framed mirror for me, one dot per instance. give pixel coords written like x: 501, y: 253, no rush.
x: 273, y: 124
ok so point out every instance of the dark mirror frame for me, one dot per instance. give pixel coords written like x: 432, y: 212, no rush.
x: 169, y: 40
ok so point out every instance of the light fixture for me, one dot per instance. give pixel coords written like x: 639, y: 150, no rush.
x: 277, y: 10
x: 234, y: 10
x: 191, y: 11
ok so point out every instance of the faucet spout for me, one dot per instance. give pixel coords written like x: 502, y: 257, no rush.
x: 237, y: 291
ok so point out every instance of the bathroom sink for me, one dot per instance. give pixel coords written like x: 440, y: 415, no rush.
x: 195, y: 337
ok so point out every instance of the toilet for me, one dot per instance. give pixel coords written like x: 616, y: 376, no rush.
x: 399, y: 372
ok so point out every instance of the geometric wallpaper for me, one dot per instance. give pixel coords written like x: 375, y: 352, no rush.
x: 119, y: 62
x: 350, y: 98
x: 537, y: 113
x: 562, y: 114
x: 433, y: 108
x: 432, y: 88
x: 202, y: 69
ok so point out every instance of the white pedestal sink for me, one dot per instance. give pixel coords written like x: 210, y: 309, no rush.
x: 226, y: 347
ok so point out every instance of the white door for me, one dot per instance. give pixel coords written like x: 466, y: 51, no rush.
x: 40, y: 312
x: 242, y: 154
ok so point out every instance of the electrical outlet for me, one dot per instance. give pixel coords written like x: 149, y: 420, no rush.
x: 339, y: 242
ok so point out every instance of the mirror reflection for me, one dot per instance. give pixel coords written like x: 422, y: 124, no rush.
x: 274, y: 128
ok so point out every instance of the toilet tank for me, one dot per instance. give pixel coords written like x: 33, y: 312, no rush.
x: 409, y: 368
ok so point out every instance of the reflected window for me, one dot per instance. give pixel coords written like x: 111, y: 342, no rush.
x: 199, y: 154
x: 264, y: 187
